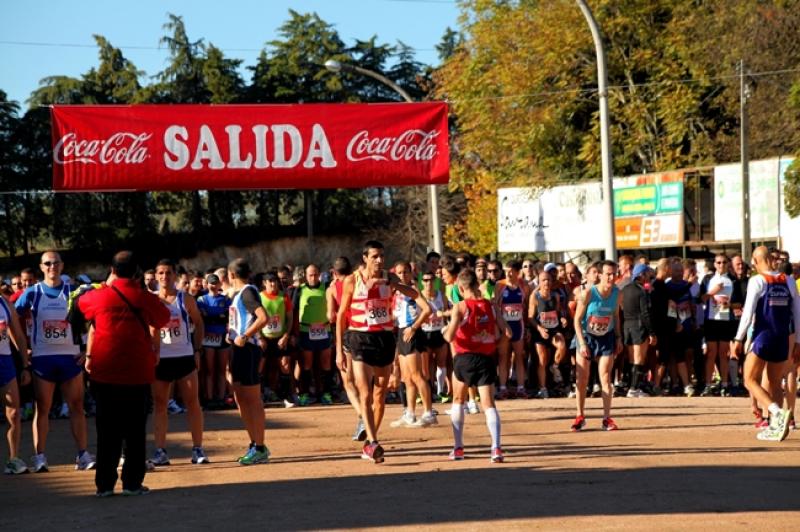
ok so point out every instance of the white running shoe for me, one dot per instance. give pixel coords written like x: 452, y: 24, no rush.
x: 15, y: 466
x: 406, y: 420
x: 542, y: 394
x: 288, y: 404
x: 85, y: 462
x: 426, y: 420
x: 199, y: 456
x: 63, y: 412
x: 472, y: 407
x: 638, y: 394
x: 39, y: 463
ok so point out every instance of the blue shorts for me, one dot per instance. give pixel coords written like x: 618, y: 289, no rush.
x: 55, y: 368
x: 7, y: 370
x: 516, y: 330
x: 601, y: 346
x: 306, y: 344
x: 769, y: 347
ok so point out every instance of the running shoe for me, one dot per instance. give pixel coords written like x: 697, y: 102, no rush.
x: 360, y: 434
x: 174, y: 408
x: 472, y: 407
x: 596, y: 390
x: 726, y: 391
x: 688, y: 390
x: 104, y: 494
x: 501, y: 394
x: 708, y: 391
x: 85, y: 461
x: 250, y: 449
x: 288, y: 404
x: 303, y: 399
x: 780, y: 423
x: 522, y: 393
x: 636, y: 394
x: 255, y: 457
x: 609, y: 424
x: 761, y: 423
x: 160, y: 458
x: 572, y: 394
x: 456, y: 454
x: 15, y: 466
x: 28, y: 412
x: 372, y: 451
x: 542, y: 394
x: 39, y: 463
x: 768, y: 434
x: 326, y: 399
x: 445, y: 398
x: 63, y: 412
x: 406, y: 420
x: 419, y: 400
x: 229, y: 402
x: 426, y: 420
x: 578, y: 424
x: 141, y: 490
x: 199, y: 456
x: 497, y: 455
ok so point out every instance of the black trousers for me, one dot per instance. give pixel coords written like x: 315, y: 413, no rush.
x: 121, y: 418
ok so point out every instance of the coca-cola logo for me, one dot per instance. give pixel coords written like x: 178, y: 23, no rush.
x: 119, y: 148
x: 411, y: 145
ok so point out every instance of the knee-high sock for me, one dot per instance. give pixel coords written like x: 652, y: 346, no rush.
x: 403, y: 396
x: 636, y: 375
x: 493, y: 422
x: 305, y: 381
x: 457, y: 420
x: 441, y: 380
x: 285, y: 386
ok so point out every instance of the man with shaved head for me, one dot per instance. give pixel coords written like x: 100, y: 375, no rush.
x: 772, y: 302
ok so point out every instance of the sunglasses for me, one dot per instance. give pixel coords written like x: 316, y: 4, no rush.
x: 492, y: 271
x: 51, y: 263
x: 427, y: 279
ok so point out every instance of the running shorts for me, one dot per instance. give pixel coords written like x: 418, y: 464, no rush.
x: 244, y: 364
x: 414, y: 346
x: 7, y: 370
x: 601, y: 346
x: 56, y: 368
x: 516, y: 330
x: 475, y: 370
x: 173, y: 369
x: 633, y: 333
x: 539, y: 339
x: 432, y: 340
x: 372, y: 348
x: 271, y: 350
x: 770, y: 347
x: 718, y: 331
x: 306, y: 344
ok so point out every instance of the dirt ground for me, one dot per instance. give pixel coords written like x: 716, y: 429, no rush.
x: 675, y: 464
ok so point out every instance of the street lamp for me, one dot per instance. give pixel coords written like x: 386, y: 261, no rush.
x: 433, y: 199
x: 605, y: 141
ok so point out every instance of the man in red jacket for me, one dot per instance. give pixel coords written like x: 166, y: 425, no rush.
x: 121, y: 358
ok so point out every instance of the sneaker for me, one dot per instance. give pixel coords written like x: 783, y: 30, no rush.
x: 637, y: 394
x: 556, y: 373
x: 326, y: 399
x: 497, y: 455
x: 426, y: 420
x: 419, y: 400
x: 199, y: 456
x: 761, y: 423
x: 596, y: 390
x: 305, y: 399
x: 688, y: 390
x: 250, y: 450
x: 609, y: 424
x: 15, y: 466
x: 229, y: 402
x: 360, y: 434
x: 63, y: 412
x: 726, y: 391
x: 27, y: 412
x: 522, y: 393
x: 174, y: 408
x: 780, y: 423
x: 472, y: 407
x: 445, y: 398
x: 254, y: 456
x: 768, y: 434
x: 85, y: 461
x: 141, y: 490
x: 542, y: 394
x: 288, y: 404
x: 160, y: 458
x: 39, y: 463
x: 103, y: 494
x: 372, y: 451
x: 708, y: 391
x: 578, y: 424
x: 406, y: 420
x: 456, y: 454
x: 501, y: 395
x: 572, y: 394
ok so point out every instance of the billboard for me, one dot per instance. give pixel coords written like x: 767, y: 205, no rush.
x: 764, y: 200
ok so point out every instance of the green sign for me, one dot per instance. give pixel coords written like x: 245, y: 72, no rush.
x: 646, y: 200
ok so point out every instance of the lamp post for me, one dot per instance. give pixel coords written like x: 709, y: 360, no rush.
x: 605, y: 141
x: 433, y: 199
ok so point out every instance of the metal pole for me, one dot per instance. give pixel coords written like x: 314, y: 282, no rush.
x: 435, y: 227
x: 745, y: 156
x: 605, y: 140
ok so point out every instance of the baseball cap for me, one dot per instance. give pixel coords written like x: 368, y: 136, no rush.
x: 640, y: 269
x: 550, y: 266
x: 212, y: 278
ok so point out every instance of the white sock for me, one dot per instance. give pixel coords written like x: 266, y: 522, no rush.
x: 441, y: 380
x: 774, y: 408
x: 493, y: 423
x: 457, y: 421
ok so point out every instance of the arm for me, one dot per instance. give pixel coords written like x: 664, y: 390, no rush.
x: 341, y: 320
x: 331, y: 304
x: 199, y: 327
x: 755, y: 289
x: 405, y: 289
x: 580, y: 311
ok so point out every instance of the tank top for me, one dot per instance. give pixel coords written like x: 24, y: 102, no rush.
x: 599, y: 318
x: 718, y: 306
x: 405, y: 310
x: 275, y: 308
x: 476, y: 332
x: 511, y: 303
x: 52, y: 333
x: 5, y: 323
x: 773, y: 311
x: 371, y: 309
x: 312, y: 312
x: 434, y: 322
x: 547, y: 311
x: 215, y: 312
x: 175, y: 340
x: 488, y: 289
x: 239, y: 319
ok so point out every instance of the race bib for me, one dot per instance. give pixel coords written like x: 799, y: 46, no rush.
x: 512, y: 311
x: 172, y: 332
x: 377, y: 312
x: 212, y: 340
x: 549, y: 319
x: 318, y: 331
x: 720, y: 308
x: 434, y: 323
x: 599, y: 325
x: 672, y: 310
x: 274, y: 325
x: 684, y: 311
x: 54, y: 331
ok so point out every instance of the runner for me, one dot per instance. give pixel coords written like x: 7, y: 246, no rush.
x: 716, y: 290
x: 637, y: 326
x: 276, y: 337
x: 480, y: 270
x: 11, y: 331
x: 473, y: 330
x: 432, y: 261
x: 410, y: 313
x: 179, y: 360
x: 214, y: 307
x: 27, y: 278
x: 678, y: 327
x: 56, y: 360
x: 494, y: 272
x: 772, y: 303
x: 435, y: 350
x: 598, y: 330
x: 314, y: 336
x: 364, y: 327
x: 247, y: 318
x: 545, y: 312
x: 511, y: 299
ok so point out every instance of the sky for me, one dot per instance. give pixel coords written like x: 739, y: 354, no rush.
x: 48, y: 37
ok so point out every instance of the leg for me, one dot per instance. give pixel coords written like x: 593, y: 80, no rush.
x: 72, y: 390
x: 194, y: 413
x: 348, y: 380
x: 134, y: 431
x: 712, y: 349
x: 251, y: 409
x: 504, y: 361
x: 415, y: 364
x: 753, y: 370
x: 543, y: 353
x: 10, y: 395
x: 605, y: 364
x: 43, y: 391
x: 210, y: 355
x: 160, y: 390
x: 457, y: 412
x: 109, y: 425
x: 406, y: 374
x: 492, y: 417
x: 518, y: 349
x: 582, y: 368
x: 379, y: 395
x: 363, y: 374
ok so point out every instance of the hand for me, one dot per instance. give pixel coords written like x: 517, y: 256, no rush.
x: 564, y: 322
x: 393, y: 279
x: 25, y: 375
x: 618, y: 349
x: 653, y: 340
x: 408, y: 334
x: 584, y: 351
x: 240, y: 341
x: 341, y: 360
x: 80, y: 360
x: 738, y: 348
x: 543, y: 332
x: 508, y: 332
x: 679, y: 328
x: 282, y: 341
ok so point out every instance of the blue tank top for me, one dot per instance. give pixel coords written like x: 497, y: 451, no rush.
x: 215, y: 312
x: 511, y: 303
x: 239, y: 319
x: 405, y: 311
x: 774, y: 309
x: 600, y: 312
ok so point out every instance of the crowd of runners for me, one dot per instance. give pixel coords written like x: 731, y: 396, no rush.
x: 450, y: 336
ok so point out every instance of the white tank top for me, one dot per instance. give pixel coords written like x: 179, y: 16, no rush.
x: 5, y: 323
x: 435, y: 323
x: 175, y: 339
x: 52, y: 333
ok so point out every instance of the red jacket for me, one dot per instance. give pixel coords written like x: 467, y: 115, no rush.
x: 121, y: 350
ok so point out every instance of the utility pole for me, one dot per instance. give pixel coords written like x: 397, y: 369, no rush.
x: 744, y: 95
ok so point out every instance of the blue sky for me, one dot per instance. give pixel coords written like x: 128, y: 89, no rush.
x: 59, y: 33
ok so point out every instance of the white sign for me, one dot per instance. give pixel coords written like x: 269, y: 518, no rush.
x: 565, y: 218
x: 789, y: 227
x: 764, y: 201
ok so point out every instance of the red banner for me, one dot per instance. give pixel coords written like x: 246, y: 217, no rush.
x: 212, y: 147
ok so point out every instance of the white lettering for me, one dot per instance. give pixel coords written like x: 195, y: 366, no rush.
x: 207, y: 150
x: 279, y: 159
x: 175, y: 138
x: 119, y: 148
x: 260, y: 132
x: 412, y: 144
x: 235, y: 156
x: 319, y: 149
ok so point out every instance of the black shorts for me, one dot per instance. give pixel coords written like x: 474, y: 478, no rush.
x: 271, y: 349
x: 633, y: 333
x: 244, y: 364
x: 718, y: 331
x: 414, y: 346
x: 537, y: 338
x: 372, y: 348
x: 432, y: 340
x: 673, y: 346
x: 173, y: 369
x: 474, y: 369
